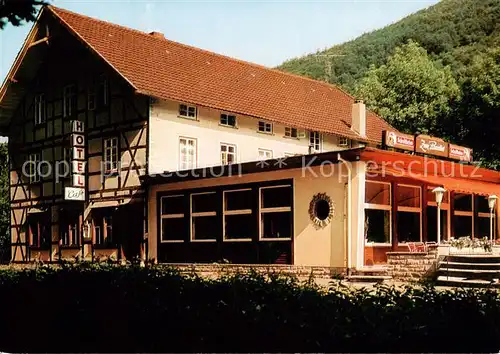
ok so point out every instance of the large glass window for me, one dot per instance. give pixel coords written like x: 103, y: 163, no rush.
x: 432, y: 216
x: 238, y: 215
x: 377, y: 212
x: 378, y: 193
x: 378, y: 225
x: 409, y: 217
x: 276, y: 212
x: 173, y: 220
x: 204, y: 217
x: 483, y: 218
x: 463, y: 218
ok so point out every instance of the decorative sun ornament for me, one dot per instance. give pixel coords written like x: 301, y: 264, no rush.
x: 321, y: 210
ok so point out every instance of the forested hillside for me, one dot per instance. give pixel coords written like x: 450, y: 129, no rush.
x: 436, y: 71
x: 452, y: 31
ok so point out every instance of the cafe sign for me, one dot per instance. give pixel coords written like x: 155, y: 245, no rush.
x: 77, y: 189
x: 461, y: 153
x: 430, y: 145
x: 398, y: 140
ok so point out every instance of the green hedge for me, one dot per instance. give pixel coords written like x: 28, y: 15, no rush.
x: 105, y: 308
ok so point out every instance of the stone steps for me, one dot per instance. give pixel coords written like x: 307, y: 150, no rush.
x: 465, y: 265
x: 460, y: 282
x: 483, y: 274
x: 469, y: 271
x: 486, y: 258
x: 375, y: 274
x: 368, y: 278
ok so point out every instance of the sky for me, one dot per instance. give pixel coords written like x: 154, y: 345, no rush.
x: 263, y: 32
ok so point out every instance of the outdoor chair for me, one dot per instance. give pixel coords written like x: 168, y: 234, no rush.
x: 420, y: 247
x: 411, y: 247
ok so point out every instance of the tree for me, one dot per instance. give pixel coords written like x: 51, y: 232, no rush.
x: 17, y: 11
x: 476, y: 120
x: 4, y: 204
x: 411, y: 92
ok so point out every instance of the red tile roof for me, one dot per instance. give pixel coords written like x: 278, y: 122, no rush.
x: 168, y: 70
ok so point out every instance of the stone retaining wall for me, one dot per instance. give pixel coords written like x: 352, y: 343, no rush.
x: 412, y: 266
x: 216, y: 269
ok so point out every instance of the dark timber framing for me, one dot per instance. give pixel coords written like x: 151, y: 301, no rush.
x: 66, y: 60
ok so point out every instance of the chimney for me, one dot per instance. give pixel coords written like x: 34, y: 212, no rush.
x: 157, y: 35
x: 359, y: 117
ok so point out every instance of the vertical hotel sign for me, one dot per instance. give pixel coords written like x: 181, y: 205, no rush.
x: 77, y: 189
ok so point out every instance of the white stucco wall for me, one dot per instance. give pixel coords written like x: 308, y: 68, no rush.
x: 166, y: 127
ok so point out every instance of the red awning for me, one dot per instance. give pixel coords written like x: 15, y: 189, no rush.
x: 449, y: 175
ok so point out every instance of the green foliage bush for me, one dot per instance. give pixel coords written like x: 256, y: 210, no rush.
x: 101, y: 308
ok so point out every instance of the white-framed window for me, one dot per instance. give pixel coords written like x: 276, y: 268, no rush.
x: 291, y: 132
x: 203, y: 217
x: 173, y: 219
x: 69, y: 100
x: 239, y: 221
x: 187, y: 153
x: 265, y: 154
x: 34, y: 167
x: 315, y: 141
x: 227, y: 154
x: 39, y: 107
x: 111, y: 154
x: 275, y: 213
x: 378, y: 212
x: 228, y: 120
x: 187, y: 111
x: 265, y: 127
x: 343, y: 141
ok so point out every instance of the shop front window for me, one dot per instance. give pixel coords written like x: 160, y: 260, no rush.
x: 463, y: 215
x: 276, y: 212
x: 483, y: 218
x: 377, y: 212
x: 409, y: 213
x: 432, y: 216
x: 70, y: 228
x: 39, y: 230
x: 173, y: 219
x: 204, y: 218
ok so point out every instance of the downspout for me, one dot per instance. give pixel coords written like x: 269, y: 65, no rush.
x: 349, y: 211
